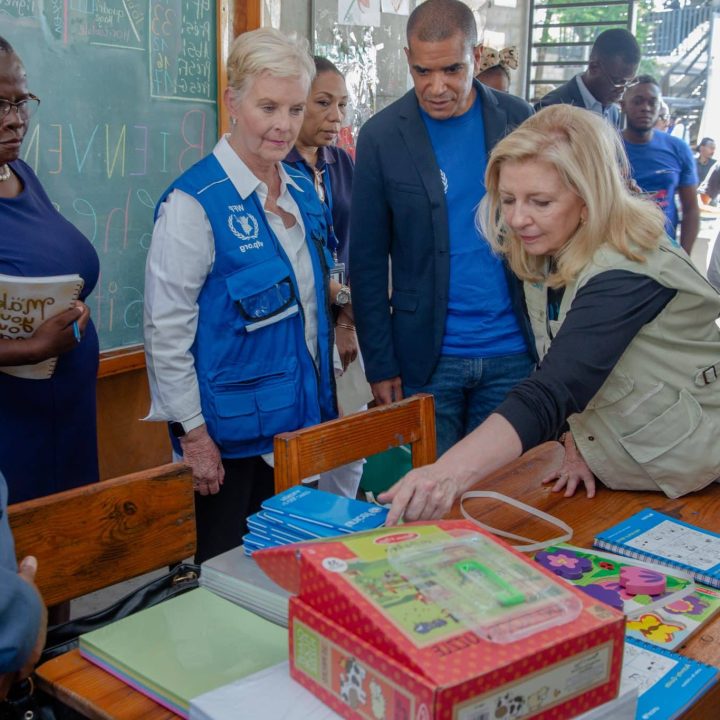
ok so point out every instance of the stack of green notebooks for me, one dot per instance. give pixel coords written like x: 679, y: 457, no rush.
x: 185, y: 647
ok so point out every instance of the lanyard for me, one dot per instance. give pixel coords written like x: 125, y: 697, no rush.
x: 313, y: 175
x: 530, y: 545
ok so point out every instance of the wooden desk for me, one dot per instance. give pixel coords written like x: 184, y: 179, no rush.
x: 521, y: 480
x: 98, y: 695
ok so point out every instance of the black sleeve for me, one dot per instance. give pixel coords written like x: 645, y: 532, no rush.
x: 605, y: 316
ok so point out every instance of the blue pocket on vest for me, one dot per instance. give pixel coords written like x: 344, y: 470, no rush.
x: 237, y: 418
x: 257, y: 406
x: 279, y: 409
x: 263, y: 293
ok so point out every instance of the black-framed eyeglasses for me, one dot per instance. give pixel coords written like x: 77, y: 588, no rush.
x: 618, y: 85
x: 25, y: 108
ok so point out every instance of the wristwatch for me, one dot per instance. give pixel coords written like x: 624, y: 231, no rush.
x: 343, y: 296
x: 180, y: 429
x: 177, y: 429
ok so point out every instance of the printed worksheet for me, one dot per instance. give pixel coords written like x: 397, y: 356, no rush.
x: 680, y: 544
x: 643, y: 668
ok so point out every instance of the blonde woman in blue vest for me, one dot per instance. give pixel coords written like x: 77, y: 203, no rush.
x: 623, y: 321
x: 238, y: 332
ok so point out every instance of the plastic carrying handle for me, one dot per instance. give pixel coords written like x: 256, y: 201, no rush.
x: 529, y: 544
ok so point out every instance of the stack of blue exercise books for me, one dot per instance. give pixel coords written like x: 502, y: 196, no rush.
x: 302, y: 513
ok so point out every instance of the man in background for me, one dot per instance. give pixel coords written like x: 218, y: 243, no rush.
x: 23, y: 617
x: 705, y: 158
x: 662, y: 165
x: 454, y: 323
x: 663, y: 121
x: 613, y: 62
x: 708, y: 192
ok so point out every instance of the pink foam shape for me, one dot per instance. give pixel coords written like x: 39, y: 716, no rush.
x: 642, y: 581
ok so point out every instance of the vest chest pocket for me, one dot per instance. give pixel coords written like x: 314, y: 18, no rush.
x: 263, y: 294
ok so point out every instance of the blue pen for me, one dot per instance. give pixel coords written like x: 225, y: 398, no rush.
x: 76, y: 332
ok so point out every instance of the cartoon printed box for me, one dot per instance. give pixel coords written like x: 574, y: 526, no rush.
x: 374, y: 641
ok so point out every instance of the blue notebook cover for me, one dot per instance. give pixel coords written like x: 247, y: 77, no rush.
x: 652, y: 536
x: 322, y: 508
x: 667, y: 683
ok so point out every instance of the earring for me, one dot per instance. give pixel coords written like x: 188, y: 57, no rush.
x: 233, y: 120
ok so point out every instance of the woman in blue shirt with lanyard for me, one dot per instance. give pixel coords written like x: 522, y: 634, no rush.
x: 331, y: 170
x: 238, y: 334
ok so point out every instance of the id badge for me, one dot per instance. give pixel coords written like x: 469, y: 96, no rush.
x: 337, y: 272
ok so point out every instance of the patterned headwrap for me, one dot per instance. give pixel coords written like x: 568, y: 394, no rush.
x: 490, y: 58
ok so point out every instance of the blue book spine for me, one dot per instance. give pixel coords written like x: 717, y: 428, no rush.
x: 654, y: 537
x: 253, y: 542
x: 278, y: 533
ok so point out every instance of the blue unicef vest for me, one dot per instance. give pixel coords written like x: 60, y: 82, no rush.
x: 255, y: 373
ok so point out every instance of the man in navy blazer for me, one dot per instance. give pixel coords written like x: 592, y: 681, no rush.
x: 614, y: 60
x: 451, y: 321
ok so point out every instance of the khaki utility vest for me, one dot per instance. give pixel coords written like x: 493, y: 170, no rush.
x: 655, y: 422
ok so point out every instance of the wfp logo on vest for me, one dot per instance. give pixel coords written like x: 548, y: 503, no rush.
x: 244, y: 226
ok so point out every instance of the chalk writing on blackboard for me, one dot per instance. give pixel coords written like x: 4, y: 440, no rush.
x: 117, y: 23
x: 136, y: 161
x: 17, y: 8
x: 105, y: 143
x: 182, y: 70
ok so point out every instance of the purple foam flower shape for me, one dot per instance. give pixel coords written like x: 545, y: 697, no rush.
x: 564, y: 563
x: 689, y: 605
x: 604, y: 594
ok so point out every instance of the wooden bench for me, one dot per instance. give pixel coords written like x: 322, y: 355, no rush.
x: 97, y: 535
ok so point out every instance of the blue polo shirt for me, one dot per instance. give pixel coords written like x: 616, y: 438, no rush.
x: 660, y: 167
x: 480, y: 319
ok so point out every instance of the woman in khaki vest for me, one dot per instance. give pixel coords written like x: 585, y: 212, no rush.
x: 623, y: 321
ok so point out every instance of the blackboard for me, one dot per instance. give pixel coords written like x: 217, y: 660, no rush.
x: 128, y: 93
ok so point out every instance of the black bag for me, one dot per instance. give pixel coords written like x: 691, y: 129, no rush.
x: 21, y: 703
x: 64, y: 637
x: 26, y: 702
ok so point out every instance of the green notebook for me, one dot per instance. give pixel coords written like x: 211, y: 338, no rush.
x: 185, y: 647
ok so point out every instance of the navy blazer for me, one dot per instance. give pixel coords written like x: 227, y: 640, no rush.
x: 569, y: 94
x: 398, y: 210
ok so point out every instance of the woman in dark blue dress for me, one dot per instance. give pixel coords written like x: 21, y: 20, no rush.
x: 48, y: 436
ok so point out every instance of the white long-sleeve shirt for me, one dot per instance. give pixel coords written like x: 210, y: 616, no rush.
x: 180, y: 258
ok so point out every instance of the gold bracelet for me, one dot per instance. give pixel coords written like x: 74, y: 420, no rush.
x: 347, y: 326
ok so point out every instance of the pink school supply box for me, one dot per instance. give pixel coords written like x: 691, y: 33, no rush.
x: 442, y: 621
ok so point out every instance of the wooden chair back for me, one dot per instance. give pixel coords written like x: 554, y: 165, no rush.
x: 97, y: 535
x: 303, y: 453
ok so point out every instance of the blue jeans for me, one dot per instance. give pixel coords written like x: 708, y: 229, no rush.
x: 467, y: 390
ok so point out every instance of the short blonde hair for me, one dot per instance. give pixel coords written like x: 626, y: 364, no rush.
x: 589, y: 157
x: 267, y: 50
